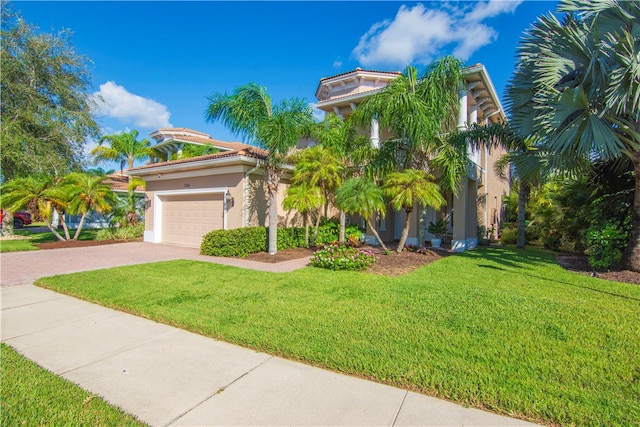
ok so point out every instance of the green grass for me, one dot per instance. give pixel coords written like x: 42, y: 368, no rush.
x: 35, y: 238
x: 500, y: 329
x: 33, y: 396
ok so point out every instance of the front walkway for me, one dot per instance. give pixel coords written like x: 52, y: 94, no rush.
x: 168, y: 376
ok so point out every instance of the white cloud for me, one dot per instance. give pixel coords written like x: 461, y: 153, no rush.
x: 337, y: 63
x: 418, y: 34
x: 120, y: 104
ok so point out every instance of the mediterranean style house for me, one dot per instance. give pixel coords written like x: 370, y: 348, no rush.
x: 187, y: 198
x: 479, y: 202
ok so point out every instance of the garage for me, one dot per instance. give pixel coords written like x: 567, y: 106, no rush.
x: 186, y: 218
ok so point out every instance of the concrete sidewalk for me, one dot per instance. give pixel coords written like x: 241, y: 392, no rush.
x: 169, y: 377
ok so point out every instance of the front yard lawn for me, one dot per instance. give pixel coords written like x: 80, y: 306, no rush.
x: 33, y: 396
x: 500, y: 329
x: 37, y: 237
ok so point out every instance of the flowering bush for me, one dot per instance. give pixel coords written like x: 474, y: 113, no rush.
x: 336, y: 257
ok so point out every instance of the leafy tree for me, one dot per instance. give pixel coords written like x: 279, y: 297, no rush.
x: 361, y: 196
x: 577, y: 88
x: 45, y: 193
x: 124, y: 147
x: 408, y: 188
x: 46, y: 107
x: 304, y: 198
x: 250, y: 113
x: 87, y: 193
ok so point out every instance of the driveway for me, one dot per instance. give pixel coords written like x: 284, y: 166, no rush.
x: 22, y: 268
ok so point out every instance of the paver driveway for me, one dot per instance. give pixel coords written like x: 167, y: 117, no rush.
x: 21, y: 268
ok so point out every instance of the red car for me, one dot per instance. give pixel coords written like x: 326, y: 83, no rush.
x: 20, y: 219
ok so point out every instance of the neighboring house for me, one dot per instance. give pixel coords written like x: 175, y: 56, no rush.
x: 187, y: 198
x: 120, y: 186
x: 480, y: 199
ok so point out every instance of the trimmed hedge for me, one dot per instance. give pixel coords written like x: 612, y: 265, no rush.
x: 245, y: 241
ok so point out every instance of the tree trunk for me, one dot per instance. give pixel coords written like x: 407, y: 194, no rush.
x: 7, y: 223
x: 375, y: 233
x: 80, y: 225
x: 63, y: 223
x: 55, y: 233
x: 631, y: 255
x: 343, y: 226
x: 317, y: 226
x: 273, y: 179
x: 306, y: 229
x: 405, y: 230
x: 522, y: 206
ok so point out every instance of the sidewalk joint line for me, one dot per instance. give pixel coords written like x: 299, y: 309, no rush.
x: 218, y: 391
x: 399, y: 408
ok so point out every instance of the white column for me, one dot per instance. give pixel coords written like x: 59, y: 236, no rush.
x: 474, y: 155
x: 375, y: 133
x: 459, y: 242
x: 462, y: 113
x: 336, y: 110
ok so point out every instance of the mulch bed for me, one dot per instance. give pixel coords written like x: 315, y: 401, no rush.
x: 579, y: 264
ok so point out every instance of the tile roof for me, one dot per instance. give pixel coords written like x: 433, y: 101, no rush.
x: 181, y: 130
x: 215, y: 142
x: 119, y: 182
x: 395, y: 73
x: 253, y: 152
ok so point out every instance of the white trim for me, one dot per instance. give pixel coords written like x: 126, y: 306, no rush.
x: 156, y: 234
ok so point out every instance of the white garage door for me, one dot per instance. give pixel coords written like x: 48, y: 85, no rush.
x: 186, y: 219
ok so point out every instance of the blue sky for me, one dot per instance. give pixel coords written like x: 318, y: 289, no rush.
x: 156, y: 62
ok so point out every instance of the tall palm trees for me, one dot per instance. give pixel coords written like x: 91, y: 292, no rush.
x: 124, y: 147
x: 577, y: 88
x: 420, y: 111
x: 250, y: 113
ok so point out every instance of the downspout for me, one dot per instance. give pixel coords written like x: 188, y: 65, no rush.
x: 246, y: 193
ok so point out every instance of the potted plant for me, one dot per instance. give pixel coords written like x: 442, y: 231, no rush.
x: 439, y: 230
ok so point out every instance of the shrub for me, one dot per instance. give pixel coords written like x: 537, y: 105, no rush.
x: 509, y: 236
x: 249, y: 240
x: 238, y: 242
x: 605, y: 246
x: 290, y: 238
x: 339, y: 257
x: 121, y: 233
x: 329, y: 232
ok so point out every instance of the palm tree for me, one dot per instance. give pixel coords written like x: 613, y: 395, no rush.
x: 124, y: 147
x: 363, y: 197
x: 303, y: 198
x: 87, y: 193
x: 250, y: 113
x: 318, y: 167
x: 44, y: 193
x: 418, y: 111
x: 342, y: 139
x: 577, y: 88
x: 408, y: 188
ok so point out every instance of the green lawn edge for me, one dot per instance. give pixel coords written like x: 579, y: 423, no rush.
x: 33, y: 396
x: 498, y: 328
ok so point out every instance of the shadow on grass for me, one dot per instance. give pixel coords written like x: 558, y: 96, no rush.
x: 519, y: 259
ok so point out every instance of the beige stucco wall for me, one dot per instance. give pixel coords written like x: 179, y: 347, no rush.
x: 493, y: 193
